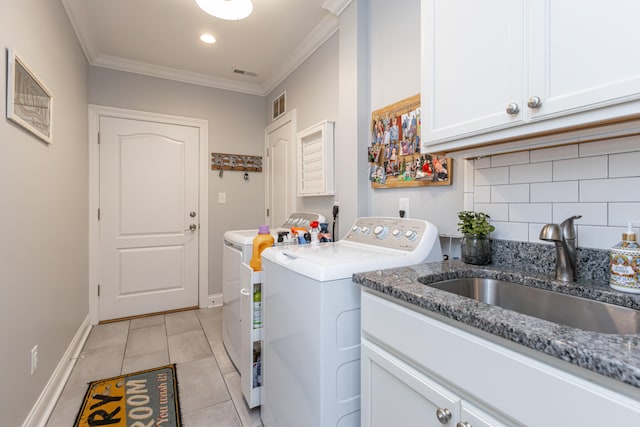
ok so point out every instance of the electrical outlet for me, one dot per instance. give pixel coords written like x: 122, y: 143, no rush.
x: 222, y: 197
x: 403, y: 205
x: 34, y: 359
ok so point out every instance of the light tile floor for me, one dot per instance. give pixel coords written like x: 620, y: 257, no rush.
x: 209, y: 384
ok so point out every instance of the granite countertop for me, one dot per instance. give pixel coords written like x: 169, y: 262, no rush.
x: 611, y: 355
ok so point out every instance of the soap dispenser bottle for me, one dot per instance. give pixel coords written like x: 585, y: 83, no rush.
x: 624, y: 263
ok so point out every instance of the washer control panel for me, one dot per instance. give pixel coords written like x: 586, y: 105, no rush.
x: 395, y: 233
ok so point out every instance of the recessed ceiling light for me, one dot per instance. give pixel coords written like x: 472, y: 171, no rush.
x: 227, y: 9
x: 208, y: 38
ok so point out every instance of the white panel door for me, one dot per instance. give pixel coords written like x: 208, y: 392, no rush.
x: 281, y: 160
x: 148, y: 217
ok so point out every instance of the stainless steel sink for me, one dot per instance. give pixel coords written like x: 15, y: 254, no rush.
x: 555, y: 307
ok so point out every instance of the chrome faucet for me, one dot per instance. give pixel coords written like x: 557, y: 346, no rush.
x: 564, y: 236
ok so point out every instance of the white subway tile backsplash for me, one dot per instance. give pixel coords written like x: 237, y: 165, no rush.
x: 621, y: 213
x: 518, y: 231
x: 610, y: 190
x: 497, y: 212
x: 468, y: 201
x: 598, y: 237
x: 565, y: 191
x: 554, y: 153
x: 623, y: 165
x: 592, y: 213
x: 482, y: 162
x: 610, y: 146
x: 515, y: 193
x: 492, y: 176
x: 523, y: 191
x: 468, y: 175
x: 530, y: 212
x: 521, y: 157
x: 582, y: 168
x: 533, y: 172
x: 482, y: 194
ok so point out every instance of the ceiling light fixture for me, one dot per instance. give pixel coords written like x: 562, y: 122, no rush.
x: 208, y: 38
x: 227, y: 9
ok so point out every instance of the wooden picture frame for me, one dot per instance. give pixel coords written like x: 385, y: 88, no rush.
x: 29, y: 102
x: 394, y: 153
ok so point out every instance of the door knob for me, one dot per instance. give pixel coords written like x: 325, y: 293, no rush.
x: 192, y: 227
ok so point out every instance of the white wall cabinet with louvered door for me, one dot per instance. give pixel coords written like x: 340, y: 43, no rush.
x: 315, y: 160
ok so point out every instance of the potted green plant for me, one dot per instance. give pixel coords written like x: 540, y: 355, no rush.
x: 475, y: 247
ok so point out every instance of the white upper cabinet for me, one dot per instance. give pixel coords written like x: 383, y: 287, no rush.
x: 472, y: 66
x: 507, y: 69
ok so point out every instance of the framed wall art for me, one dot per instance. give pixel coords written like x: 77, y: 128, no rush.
x: 394, y: 153
x: 29, y: 102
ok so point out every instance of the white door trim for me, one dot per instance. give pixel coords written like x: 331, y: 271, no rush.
x: 95, y: 112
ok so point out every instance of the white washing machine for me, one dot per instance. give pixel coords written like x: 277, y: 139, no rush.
x: 311, y: 315
x: 238, y: 249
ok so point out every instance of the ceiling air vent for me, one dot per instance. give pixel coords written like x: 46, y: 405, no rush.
x: 244, y: 72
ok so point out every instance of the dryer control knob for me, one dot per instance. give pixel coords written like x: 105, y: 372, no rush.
x: 397, y: 233
x: 410, y: 235
x: 366, y: 230
x: 380, y: 232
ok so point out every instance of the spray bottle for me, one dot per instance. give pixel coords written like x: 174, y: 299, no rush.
x: 624, y: 263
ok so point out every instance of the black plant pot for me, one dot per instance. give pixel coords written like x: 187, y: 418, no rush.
x: 475, y: 249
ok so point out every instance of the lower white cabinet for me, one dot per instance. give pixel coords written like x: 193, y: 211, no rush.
x: 421, y: 369
x: 394, y: 393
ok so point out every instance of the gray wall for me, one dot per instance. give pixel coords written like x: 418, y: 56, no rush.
x: 44, y: 208
x: 312, y: 90
x: 236, y: 126
x: 395, y: 75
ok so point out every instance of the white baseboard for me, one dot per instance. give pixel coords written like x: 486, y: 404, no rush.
x: 215, y: 300
x: 43, y: 407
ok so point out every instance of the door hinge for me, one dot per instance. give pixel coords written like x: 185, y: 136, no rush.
x: 98, y: 214
x: 267, y: 211
x: 98, y: 138
x: 98, y: 290
x: 267, y: 152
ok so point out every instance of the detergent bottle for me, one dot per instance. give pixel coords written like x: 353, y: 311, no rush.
x: 263, y: 240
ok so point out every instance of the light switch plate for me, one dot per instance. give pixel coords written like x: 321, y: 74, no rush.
x: 222, y: 197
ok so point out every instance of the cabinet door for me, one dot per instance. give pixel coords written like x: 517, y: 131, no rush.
x: 472, y: 66
x: 475, y: 417
x: 583, y: 54
x: 394, y: 394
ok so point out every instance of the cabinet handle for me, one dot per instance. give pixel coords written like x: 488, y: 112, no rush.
x: 534, y: 102
x: 464, y: 424
x: 444, y: 415
x: 513, y: 108
x: 245, y: 292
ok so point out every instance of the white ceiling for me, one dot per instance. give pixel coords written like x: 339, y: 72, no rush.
x: 161, y: 38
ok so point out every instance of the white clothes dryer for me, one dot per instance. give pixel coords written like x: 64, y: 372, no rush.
x: 311, y: 318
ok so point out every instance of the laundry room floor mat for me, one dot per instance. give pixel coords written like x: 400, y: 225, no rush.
x: 138, y: 399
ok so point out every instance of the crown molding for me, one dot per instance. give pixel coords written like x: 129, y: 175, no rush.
x: 146, y: 69
x: 336, y: 7
x: 316, y: 38
x: 79, y: 21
